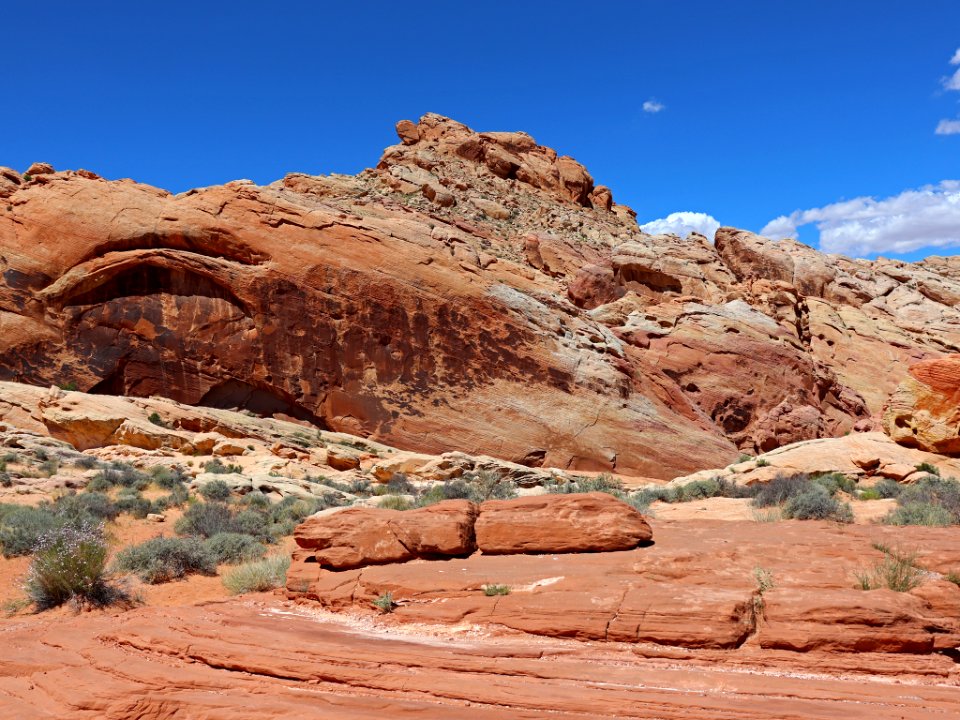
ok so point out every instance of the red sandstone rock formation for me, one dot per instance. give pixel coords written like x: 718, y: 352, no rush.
x: 475, y: 291
x: 924, y: 411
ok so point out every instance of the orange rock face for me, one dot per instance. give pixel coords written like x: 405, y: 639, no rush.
x: 924, y: 411
x: 474, y: 291
x: 594, y: 522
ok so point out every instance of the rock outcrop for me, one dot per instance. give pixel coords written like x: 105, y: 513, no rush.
x: 345, y: 539
x: 474, y: 292
x: 924, y: 411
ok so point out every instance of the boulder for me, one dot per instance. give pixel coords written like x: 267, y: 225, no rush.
x: 591, y: 522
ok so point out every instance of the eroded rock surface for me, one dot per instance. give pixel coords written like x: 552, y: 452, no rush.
x: 924, y: 411
x: 474, y: 292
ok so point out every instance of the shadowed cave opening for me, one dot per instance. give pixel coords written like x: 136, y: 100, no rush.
x: 239, y: 395
x: 148, y: 279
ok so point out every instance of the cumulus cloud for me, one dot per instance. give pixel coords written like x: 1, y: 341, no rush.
x: 655, y: 106
x: 682, y: 224
x: 952, y: 82
x: 925, y: 218
x: 955, y: 60
x: 948, y: 127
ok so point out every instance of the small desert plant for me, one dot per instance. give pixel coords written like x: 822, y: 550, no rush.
x: 780, y: 489
x: 898, y: 571
x: 920, y: 513
x: 395, y: 502
x: 124, y: 475
x: 491, y: 590
x: 215, y: 490
x: 167, y: 478
x: 766, y: 515
x: 761, y: 462
x: 22, y: 527
x: 815, y: 503
x: 928, y: 468
x: 5, y: 480
x: 744, y: 457
x: 217, y: 467
x: 953, y: 576
x: 162, y: 559
x: 70, y: 385
x: 384, y: 602
x: 135, y: 504
x: 155, y: 418
x: 205, y: 520
x: 869, y: 494
x: 87, y: 462
x: 765, y: 582
x: 259, y: 576
x: 69, y: 563
x: 887, y: 488
x: 234, y: 548
x: 94, y: 505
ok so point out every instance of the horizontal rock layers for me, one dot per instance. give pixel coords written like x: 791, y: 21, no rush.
x: 473, y: 292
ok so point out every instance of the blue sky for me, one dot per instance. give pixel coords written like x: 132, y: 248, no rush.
x: 768, y: 108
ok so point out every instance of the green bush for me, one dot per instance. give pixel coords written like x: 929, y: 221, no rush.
x: 888, y: 488
x: 217, y: 467
x: 123, y: 475
x: 928, y: 468
x: 259, y: 576
x: 167, y: 478
x: 87, y: 462
x: 920, y: 513
x: 155, y: 418
x: 835, y: 482
x: 395, y: 502
x: 492, y: 590
x: 780, y: 489
x: 133, y: 503
x: 69, y: 563
x: 205, y: 520
x: 933, y: 490
x: 22, y: 528
x: 162, y: 559
x: 258, y: 525
x: 384, y: 602
x: 92, y: 505
x: 234, y: 548
x: 255, y: 500
x: 600, y: 483
x: 217, y: 490
x: 897, y: 571
x: 815, y: 503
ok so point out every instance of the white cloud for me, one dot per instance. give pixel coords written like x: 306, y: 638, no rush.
x: 655, y: 106
x: 948, y: 127
x: 955, y: 60
x: 952, y: 82
x: 682, y: 224
x: 914, y: 219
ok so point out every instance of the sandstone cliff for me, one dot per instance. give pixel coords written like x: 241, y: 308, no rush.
x: 474, y: 291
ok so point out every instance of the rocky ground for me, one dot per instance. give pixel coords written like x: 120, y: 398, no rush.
x: 724, y: 612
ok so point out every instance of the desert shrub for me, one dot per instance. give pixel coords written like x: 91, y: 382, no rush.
x: 87, y: 462
x: 257, y: 524
x: 155, y: 418
x: 216, y: 490
x: 399, y: 484
x: 217, y: 467
x: 162, y: 559
x: 234, y: 548
x: 22, y: 527
x: 395, y: 502
x: 255, y: 500
x: 766, y: 515
x: 124, y: 475
x: 10, y: 457
x: 266, y: 574
x: 835, y: 482
x: 815, y: 503
x: 897, y: 571
x: 205, y: 520
x: 920, y: 513
x: 98, y: 484
x: 869, y: 494
x: 933, y: 490
x: 384, y: 602
x: 488, y: 485
x: 69, y: 563
x: 296, y: 510
x: 167, y: 478
x: 600, y: 483
x: 50, y: 466
x: 492, y: 590
x: 761, y: 462
x: 88, y: 505
x: 135, y: 504
x: 953, y: 576
x: 888, y: 488
x: 928, y: 468
x: 178, y: 497
x: 5, y: 480
x: 780, y: 489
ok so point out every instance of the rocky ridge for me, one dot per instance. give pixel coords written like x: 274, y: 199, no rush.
x: 474, y: 292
